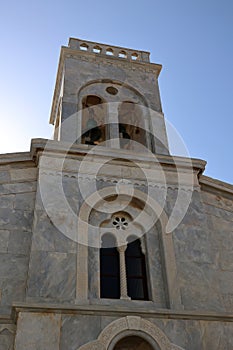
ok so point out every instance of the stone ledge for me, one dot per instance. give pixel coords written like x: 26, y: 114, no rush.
x: 8, y: 158
x: 61, y: 148
x: 210, y: 185
x: 6, y: 319
x: 120, y: 311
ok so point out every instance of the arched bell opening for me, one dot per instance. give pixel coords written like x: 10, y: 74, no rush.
x: 132, y: 130
x: 93, y: 120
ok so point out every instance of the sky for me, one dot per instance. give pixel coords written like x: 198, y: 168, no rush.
x: 192, y: 39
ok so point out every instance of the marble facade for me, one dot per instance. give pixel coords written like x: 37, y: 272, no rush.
x: 58, y: 199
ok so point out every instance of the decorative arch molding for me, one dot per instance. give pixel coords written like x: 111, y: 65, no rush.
x: 115, y: 82
x: 134, y: 325
x: 167, y: 248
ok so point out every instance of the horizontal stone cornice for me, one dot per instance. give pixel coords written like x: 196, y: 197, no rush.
x: 8, y: 158
x: 215, y: 186
x: 119, y: 311
x: 58, y: 149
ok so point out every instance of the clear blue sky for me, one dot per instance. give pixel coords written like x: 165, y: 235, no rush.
x: 192, y: 39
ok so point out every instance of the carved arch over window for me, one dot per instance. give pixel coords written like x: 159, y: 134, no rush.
x: 136, y: 326
x: 93, y: 85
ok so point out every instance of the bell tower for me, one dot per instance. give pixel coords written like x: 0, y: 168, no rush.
x: 107, y: 241
x: 108, y: 96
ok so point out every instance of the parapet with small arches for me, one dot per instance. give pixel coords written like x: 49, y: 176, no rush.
x: 110, y: 51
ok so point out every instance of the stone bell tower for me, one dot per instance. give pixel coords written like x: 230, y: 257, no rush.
x: 107, y: 95
x: 107, y: 241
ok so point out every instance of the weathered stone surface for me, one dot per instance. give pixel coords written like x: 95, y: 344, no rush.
x: 201, y: 335
x: 19, y: 242
x: 38, y: 331
x: 6, y: 337
x: 4, y: 240
x: 47, y: 237
x: 25, y: 201
x: 13, y: 266
x: 195, y: 244
x: 7, y: 201
x: 52, y: 275
x: 14, y: 219
x: 18, y: 187
x: 198, y: 282
x: 93, y: 270
x: 156, y: 280
x: 24, y: 174
x: 216, y: 336
x: 13, y: 275
x: 4, y: 176
x: 78, y: 330
x: 12, y: 290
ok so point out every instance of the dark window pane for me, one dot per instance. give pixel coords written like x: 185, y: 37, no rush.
x: 109, y: 273
x: 136, y: 272
x: 133, y: 266
x: 109, y: 265
x: 135, y: 289
x: 134, y: 249
x: 110, y: 287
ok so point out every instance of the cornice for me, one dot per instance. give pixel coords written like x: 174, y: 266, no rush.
x: 59, y: 148
x: 149, y: 311
x: 120, y: 62
x: 8, y: 158
x: 215, y: 186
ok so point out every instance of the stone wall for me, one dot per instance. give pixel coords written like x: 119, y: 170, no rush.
x: 38, y: 262
x: 53, y: 331
x: 17, y: 197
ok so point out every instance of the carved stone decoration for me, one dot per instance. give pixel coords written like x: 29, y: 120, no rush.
x: 10, y: 328
x: 134, y: 324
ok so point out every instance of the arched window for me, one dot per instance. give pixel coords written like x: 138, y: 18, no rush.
x: 93, y: 120
x: 136, y: 271
x: 109, y: 269
x: 131, y: 126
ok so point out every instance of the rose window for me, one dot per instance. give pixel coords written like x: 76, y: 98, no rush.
x: 120, y: 223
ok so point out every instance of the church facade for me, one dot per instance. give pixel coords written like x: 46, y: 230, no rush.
x: 107, y: 241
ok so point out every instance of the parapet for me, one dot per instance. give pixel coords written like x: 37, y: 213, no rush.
x: 109, y: 50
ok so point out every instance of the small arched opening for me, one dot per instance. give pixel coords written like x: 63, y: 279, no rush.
x: 93, y: 120
x: 132, y: 131
x: 133, y: 342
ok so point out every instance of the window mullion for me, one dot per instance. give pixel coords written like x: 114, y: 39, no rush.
x: 123, y: 278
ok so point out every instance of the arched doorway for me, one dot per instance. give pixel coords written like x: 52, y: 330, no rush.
x: 132, y: 342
